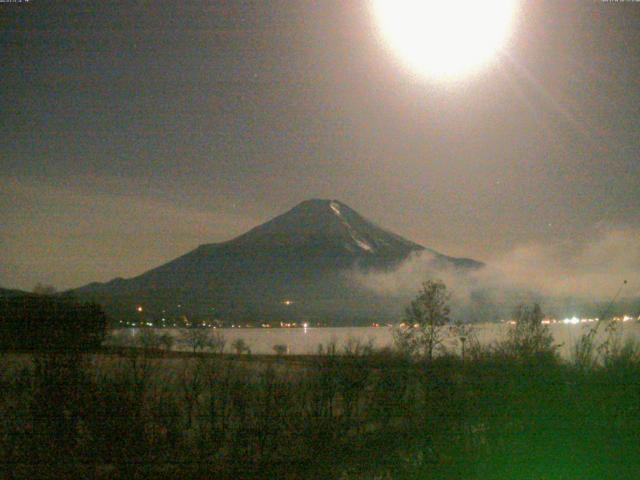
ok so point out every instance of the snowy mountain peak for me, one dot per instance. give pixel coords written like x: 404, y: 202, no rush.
x: 330, y: 223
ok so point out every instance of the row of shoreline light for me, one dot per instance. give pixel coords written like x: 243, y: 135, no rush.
x: 547, y: 321
x: 575, y: 320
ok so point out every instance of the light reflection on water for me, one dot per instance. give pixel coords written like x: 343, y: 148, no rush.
x: 305, y: 340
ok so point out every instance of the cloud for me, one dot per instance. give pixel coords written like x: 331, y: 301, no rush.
x: 589, y: 269
x: 584, y: 271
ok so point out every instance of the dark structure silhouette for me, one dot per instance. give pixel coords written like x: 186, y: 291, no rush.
x: 45, y: 323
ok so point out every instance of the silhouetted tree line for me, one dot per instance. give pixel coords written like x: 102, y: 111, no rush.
x: 48, y: 323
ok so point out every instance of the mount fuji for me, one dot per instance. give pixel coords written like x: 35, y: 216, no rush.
x: 293, y: 267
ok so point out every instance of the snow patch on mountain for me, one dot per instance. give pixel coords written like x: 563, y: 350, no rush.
x: 354, y: 236
x: 361, y: 243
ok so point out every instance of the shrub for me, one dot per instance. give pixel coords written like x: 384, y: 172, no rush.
x: 357, y: 347
x: 281, y: 349
x: 529, y: 337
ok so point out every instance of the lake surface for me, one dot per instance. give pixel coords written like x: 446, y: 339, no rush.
x: 307, y: 340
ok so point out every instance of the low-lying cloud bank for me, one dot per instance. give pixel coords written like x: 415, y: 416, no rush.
x: 573, y: 277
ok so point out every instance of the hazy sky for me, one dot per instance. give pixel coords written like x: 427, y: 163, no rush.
x: 132, y: 132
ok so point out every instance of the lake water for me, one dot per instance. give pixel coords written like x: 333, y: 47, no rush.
x: 306, y: 340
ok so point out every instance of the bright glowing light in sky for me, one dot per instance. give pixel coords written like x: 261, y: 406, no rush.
x: 445, y: 39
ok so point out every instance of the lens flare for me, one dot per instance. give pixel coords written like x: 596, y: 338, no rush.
x: 445, y: 39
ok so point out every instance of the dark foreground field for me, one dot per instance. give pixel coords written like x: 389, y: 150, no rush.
x: 362, y: 415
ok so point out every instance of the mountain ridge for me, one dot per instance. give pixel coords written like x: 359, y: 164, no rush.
x: 302, y: 254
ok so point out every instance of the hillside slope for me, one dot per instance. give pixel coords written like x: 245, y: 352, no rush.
x: 291, y: 267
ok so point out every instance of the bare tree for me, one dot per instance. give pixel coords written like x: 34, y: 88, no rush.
x: 464, y: 333
x: 196, y: 339
x: 167, y: 341
x: 218, y: 342
x: 240, y: 346
x: 148, y: 338
x: 425, y: 319
x: 192, y: 378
